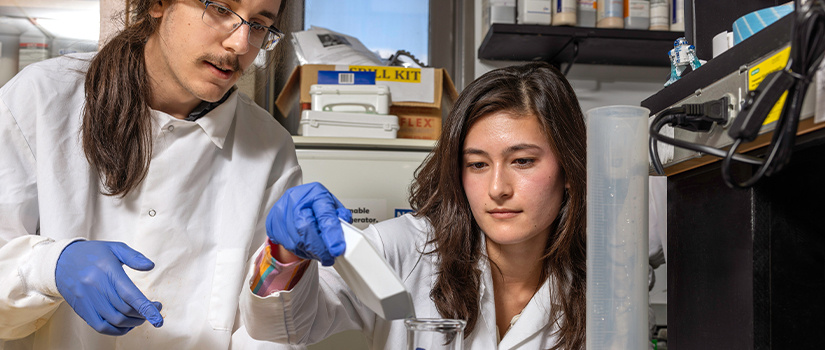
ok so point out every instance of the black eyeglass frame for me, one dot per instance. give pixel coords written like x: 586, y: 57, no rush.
x: 267, y: 45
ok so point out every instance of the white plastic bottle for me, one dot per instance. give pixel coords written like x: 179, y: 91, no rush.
x: 587, y: 13
x: 637, y: 14
x: 34, y: 47
x: 534, y: 12
x: 500, y: 11
x: 610, y: 14
x: 659, y: 14
x: 677, y: 16
x: 564, y: 12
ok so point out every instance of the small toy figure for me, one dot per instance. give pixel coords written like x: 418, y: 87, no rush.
x: 682, y: 55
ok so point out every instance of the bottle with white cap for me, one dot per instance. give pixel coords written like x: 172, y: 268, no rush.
x: 659, y: 14
x: 677, y: 16
x: 610, y: 14
x: 534, y: 12
x: 637, y: 14
x: 586, y: 16
x: 564, y: 12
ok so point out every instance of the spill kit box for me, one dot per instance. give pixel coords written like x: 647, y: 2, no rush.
x: 420, y: 97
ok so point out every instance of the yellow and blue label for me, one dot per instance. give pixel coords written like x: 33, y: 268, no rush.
x: 758, y: 73
x: 396, y: 74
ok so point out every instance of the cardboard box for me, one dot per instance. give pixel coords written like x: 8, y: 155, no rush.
x: 417, y: 126
x: 296, y: 93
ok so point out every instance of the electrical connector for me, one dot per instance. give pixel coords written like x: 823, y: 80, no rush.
x: 700, y: 117
x: 693, y: 117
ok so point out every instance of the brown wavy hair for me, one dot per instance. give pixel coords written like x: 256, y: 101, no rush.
x: 438, y: 194
x: 117, y: 127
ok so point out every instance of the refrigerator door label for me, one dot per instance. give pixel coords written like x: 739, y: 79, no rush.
x: 366, y: 211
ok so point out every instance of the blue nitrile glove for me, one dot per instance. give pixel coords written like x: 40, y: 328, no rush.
x: 305, y: 222
x: 90, y: 277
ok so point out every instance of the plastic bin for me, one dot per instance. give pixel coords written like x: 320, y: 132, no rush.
x: 341, y: 124
x: 350, y: 98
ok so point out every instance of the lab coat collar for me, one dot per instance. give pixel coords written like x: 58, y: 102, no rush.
x: 534, y: 318
x: 218, y: 121
x: 487, y: 299
x: 215, y: 124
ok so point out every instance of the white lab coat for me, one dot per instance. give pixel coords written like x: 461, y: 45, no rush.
x: 321, y: 304
x: 198, y: 214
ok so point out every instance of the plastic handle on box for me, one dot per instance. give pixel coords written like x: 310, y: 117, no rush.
x: 368, y: 108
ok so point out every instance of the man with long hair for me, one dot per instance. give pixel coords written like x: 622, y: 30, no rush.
x: 144, y: 155
x: 497, y: 238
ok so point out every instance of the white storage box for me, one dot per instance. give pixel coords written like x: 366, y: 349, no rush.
x: 350, y: 98
x: 341, y: 124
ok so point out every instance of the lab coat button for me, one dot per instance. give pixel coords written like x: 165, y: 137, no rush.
x: 170, y: 128
x: 152, y: 212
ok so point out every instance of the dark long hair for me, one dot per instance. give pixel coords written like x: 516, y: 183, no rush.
x: 438, y: 195
x: 117, y: 125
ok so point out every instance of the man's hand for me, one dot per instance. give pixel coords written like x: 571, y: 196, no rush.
x: 305, y: 222
x: 90, y: 277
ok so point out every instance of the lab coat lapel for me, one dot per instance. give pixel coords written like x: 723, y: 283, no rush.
x: 247, y: 160
x: 533, y: 319
x: 488, y: 309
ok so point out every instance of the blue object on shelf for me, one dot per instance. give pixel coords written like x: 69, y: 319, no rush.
x: 755, y: 21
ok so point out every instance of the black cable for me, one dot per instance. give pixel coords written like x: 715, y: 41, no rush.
x: 653, y: 146
x: 559, y: 51
x: 681, y: 117
x: 807, y: 48
x: 572, y: 60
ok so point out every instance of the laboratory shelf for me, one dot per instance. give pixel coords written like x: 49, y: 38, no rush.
x: 628, y: 47
x: 307, y: 142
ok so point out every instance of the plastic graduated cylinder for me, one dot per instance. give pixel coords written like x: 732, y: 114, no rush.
x: 617, y: 225
x: 372, y: 280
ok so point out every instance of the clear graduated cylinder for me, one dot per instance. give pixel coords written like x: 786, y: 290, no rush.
x: 617, y: 224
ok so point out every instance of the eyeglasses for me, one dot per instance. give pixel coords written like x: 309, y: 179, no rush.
x: 225, y: 20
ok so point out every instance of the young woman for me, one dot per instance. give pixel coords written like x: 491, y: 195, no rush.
x: 497, y: 238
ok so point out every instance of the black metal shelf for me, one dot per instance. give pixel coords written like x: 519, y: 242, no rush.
x: 527, y: 42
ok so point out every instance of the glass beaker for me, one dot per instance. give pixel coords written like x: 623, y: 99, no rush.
x: 434, y: 334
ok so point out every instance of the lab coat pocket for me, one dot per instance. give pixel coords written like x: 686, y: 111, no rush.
x: 226, y: 284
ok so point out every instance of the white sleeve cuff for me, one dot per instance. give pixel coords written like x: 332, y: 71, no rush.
x: 275, y: 318
x: 39, y: 274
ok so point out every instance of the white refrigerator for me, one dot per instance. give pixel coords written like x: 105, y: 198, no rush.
x: 373, y: 181
x: 370, y: 177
